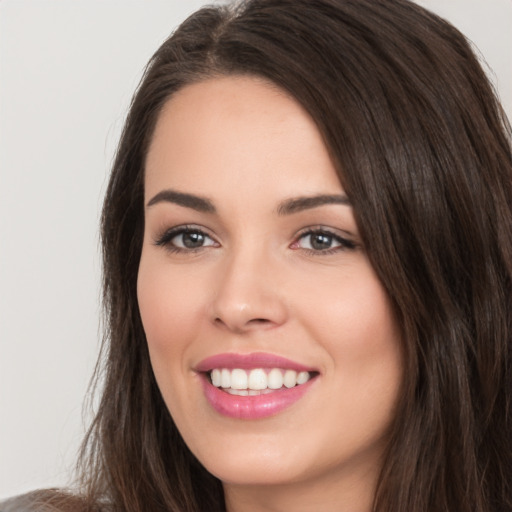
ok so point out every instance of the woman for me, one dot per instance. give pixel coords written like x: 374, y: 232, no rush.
x: 307, y: 271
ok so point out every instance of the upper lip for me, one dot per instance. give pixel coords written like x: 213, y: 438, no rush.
x: 250, y: 361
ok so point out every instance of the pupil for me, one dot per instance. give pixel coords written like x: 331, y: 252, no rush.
x: 321, y: 241
x: 193, y: 239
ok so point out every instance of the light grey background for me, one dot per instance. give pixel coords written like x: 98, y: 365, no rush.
x: 67, y: 72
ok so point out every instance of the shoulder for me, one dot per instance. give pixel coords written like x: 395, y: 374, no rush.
x: 23, y: 503
x: 48, y: 500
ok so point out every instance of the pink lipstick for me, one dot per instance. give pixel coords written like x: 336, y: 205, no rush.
x: 253, y: 386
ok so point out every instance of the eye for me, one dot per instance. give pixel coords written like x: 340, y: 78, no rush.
x: 322, y: 241
x: 185, y: 238
x: 191, y: 240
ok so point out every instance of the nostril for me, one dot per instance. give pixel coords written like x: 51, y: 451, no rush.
x: 252, y: 321
x: 247, y: 325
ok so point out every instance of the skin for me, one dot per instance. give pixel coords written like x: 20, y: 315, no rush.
x: 257, y: 284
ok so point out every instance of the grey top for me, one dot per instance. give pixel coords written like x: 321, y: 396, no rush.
x: 20, y: 504
x: 50, y: 500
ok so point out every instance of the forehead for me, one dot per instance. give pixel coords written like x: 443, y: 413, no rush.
x: 237, y: 133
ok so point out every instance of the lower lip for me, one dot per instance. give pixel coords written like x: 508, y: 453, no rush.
x: 256, y: 406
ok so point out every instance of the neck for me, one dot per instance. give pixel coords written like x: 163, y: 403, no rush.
x: 332, y: 493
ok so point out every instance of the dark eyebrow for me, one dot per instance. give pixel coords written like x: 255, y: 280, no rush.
x: 299, y: 204
x: 201, y: 204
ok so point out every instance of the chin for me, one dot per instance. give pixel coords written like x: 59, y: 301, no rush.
x: 255, y: 469
x: 252, y: 458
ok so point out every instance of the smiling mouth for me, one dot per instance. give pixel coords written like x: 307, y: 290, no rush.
x: 254, y: 386
x: 257, y: 381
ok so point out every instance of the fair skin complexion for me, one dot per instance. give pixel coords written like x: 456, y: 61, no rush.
x: 245, y: 274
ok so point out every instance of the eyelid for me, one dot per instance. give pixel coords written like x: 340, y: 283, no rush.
x: 314, y: 228
x: 344, y: 238
x: 167, y: 235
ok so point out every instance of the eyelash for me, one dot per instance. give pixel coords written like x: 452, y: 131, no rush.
x: 344, y: 243
x: 167, y: 237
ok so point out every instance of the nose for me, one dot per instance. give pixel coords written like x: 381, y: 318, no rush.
x: 247, y: 295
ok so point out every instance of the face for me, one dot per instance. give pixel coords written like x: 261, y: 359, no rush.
x: 271, y: 338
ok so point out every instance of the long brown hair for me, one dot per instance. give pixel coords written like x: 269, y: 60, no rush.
x: 423, y: 151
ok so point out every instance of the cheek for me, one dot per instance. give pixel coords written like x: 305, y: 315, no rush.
x: 168, y: 306
x: 363, y: 340
x: 354, y: 306
x: 355, y: 323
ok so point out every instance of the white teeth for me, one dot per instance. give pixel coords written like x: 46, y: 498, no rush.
x: 239, y: 392
x: 275, y: 379
x: 302, y: 377
x: 225, y: 381
x: 238, y: 379
x: 290, y: 378
x: 256, y: 381
x: 216, y: 377
x: 247, y: 392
